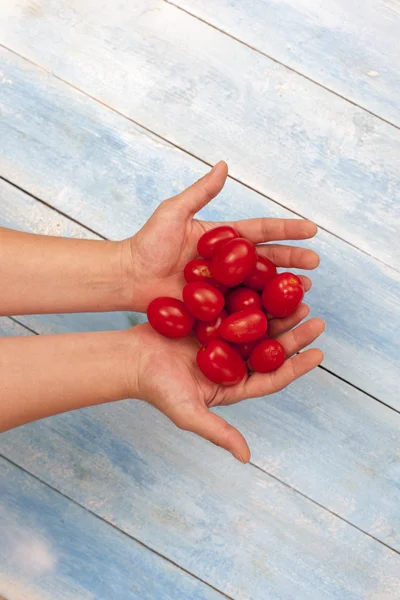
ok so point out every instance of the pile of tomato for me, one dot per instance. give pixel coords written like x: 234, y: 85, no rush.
x: 230, y: 290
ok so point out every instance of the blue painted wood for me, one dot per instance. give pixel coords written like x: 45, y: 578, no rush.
x: 51, y: 548
x: 281, y: 134
x: 232, y: 525
x: 349, y: 46
x: 110, y: 175
x: 21, y: 211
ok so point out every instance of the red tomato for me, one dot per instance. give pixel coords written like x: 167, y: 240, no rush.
x: 233, y: 261
x: 242, y: 298
x: 205, y: 332
x: 283, y: 294
x: 220, y: 363
x: 170, y: 317
x: 198, y: 269
x: 203, y: 300
x: 244, y: 326
x: 267, y: 356
x: 245, y: 348
x: 261, y: 274
x: 211, y: 240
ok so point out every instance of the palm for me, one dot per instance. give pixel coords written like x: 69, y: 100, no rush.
x: 172, y: 379
x: 163, y: 247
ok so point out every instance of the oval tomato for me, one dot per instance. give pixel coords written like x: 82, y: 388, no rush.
x: 203, y: 300
x: 283, y: 294
x: 220, y: 363
x: 233, y: 261
x: 211, y: 240
x: 242, y: 298
x: 245, y: 348
x: 198, y: 269
x: 205, y: 332
x: 170, y: 317
x: 267, y: 356
x: 261, y: 274
x: 244, y: 326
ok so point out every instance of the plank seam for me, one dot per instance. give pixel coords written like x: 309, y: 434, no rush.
x: 60, y: 212
x: 189, y: 153
x: 282, y: 64
x: 296, y: 491
x: 125, y: 533
x: 24, y: 326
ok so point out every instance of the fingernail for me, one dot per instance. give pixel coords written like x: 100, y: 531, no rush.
x: 214, y: 167
x: 238, y: 457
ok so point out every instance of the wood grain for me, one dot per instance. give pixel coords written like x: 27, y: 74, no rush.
x: 51, y: 548
x: 351, y: 47
x: 230, y: 524
x: 107, y: 173
x: 290, y: 139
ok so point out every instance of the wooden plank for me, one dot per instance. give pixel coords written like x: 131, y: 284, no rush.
x: 110, y: 175
x: 21, y: 211
x: 349, y: 47
x: 281, y: 134
x: 327, y: 440
x: 232, y: 525
x: 51, y: 548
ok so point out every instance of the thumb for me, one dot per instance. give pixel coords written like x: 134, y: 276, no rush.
x: 203, y: 191
x: 218, y: 431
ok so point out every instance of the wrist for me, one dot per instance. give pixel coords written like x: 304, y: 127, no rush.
x: 132, y: 278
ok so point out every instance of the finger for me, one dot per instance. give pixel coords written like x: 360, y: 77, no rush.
x: 278, y: 326
x: 266, y: 230
x: 290, y: 257
x: 307, y: 283
x: 258, y: 385
x: 191, y: 200
x: 295, y: 340
x: 218, y: 431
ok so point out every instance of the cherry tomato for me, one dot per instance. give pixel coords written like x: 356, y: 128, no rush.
x: 244, y: 326
x: 198, y: 269
x: 283, y: 294
x: 220, y: 363
x: 242, y: 298
x: 245, y: 348
x: 211, y: 240
x: 170, y: 317
x: 267, y: 356
x: 261, y: 274
x: 203, y: 300
x: 205, y: 332
x: 233, y: 261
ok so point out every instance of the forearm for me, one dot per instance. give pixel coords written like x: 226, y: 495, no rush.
x: 45, y: 375
x: 44, y: 274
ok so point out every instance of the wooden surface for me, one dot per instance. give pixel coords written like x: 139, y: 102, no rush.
x: 315, y: 516
x: 348, y: 46
x: 219, y: 99
x: 52, y: 548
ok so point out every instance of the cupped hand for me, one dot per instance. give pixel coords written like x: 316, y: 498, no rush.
x: 157, y: 253
x: 166, y: 375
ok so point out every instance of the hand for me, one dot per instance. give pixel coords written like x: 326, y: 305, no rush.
x: 167, y: 376
x: 157, y: 254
